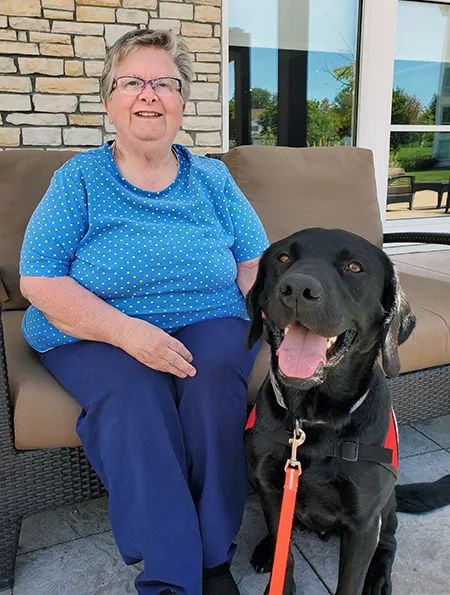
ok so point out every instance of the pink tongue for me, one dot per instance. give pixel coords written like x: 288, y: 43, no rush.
x: 301, y: 352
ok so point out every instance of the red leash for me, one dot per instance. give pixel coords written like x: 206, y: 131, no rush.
x: 293, y: 471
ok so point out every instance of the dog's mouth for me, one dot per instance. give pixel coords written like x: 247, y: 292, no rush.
x: 302, y: 353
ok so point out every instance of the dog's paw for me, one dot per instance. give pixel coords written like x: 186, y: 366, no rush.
x: 262, y: 558
x: 380, y: 584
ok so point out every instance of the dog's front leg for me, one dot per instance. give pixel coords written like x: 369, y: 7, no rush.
x: 378, y: 579
x: 356, y: 552
x: 262, y: 558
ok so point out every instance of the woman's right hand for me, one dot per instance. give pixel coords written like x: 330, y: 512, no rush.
x: 155, y: 348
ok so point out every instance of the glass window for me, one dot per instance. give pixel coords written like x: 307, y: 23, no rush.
x: 419, y: 173
x: 292, y: 71
x: 420, y: 98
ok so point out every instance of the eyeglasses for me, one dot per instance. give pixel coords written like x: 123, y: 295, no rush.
x: 133, y: 85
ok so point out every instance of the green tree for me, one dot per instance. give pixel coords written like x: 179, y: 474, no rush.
x: 268, y: 120
x: 406, y: 109
x: 261, y: 98
x: 322, y: 123
x: 343, y: 100
x: 429, y: 115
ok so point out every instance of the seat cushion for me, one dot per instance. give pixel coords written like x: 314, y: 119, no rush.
x: 294, y: 188
x: 44, y: 413
x: 24, y: 177
x: 428, y: 290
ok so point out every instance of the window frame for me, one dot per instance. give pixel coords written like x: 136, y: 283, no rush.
x: 378, y: 41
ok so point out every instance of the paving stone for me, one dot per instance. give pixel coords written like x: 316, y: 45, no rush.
x: 71, y: 550
x: 412, y: 442
x: 427, y: 467
x: 436, y: 429
x: 64, y: 524
x: 322, y: 555
x: 87, y: 566
x: 250, y: 582
x: 421, y: 565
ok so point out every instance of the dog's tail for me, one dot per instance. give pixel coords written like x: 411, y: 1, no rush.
x: 415, y: 498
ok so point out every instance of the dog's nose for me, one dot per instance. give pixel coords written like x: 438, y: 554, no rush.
x: 301, y: 286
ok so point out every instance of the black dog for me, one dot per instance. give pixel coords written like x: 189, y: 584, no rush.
x: 328, y: 302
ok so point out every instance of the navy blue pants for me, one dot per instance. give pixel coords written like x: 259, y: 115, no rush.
x: 168, y: 450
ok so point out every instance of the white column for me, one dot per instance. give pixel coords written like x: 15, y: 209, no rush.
x: 379, y: 23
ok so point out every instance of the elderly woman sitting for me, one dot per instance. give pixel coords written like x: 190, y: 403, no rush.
x: 136, y: 263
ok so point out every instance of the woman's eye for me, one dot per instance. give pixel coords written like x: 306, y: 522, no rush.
x: 284, y: 258
x: 354, y: 267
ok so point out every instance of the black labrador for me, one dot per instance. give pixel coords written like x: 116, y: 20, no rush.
x: 328, y: 302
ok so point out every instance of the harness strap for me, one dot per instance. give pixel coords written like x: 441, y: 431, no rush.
x: 349, y: 450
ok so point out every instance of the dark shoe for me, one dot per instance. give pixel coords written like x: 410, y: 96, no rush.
x: 219, y: 581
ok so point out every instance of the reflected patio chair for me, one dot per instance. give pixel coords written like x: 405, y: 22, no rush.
x: 401, y: 189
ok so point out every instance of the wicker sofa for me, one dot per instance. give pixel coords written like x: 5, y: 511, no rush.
x: 42, y: 464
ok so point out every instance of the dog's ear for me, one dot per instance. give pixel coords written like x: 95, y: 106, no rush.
x: 254, y: 309
x: 398, y: 323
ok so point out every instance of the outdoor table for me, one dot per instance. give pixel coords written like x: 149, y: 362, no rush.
x: 439, y: 187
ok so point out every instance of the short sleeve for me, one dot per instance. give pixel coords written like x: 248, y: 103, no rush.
x: 56, y: 228
x: 250, y: 238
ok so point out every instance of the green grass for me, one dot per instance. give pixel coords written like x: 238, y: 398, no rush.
x: 429, y: 175
x: 413, y: 152
x: 435, y: 175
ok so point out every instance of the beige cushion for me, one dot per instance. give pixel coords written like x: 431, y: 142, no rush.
x: 428, y: 290
x: 44, y: 413
x: 292, y: 188
x: 24, y: 178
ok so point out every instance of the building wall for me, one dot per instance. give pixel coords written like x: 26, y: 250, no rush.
x: 51, y: 58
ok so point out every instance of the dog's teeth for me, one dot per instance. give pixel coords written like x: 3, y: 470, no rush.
x: 287, y: 329
x: 331, y: 341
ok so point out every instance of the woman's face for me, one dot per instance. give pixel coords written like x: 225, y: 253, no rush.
x: 146, y: 116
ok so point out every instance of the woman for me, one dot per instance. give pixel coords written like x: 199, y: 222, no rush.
x: 136, y: 262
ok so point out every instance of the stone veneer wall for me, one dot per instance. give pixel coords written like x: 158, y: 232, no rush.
x: 51, y: 58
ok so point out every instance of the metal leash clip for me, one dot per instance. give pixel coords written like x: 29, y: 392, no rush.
x: 297, y: 440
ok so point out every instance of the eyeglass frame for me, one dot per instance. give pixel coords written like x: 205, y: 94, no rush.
x: 145, y: 82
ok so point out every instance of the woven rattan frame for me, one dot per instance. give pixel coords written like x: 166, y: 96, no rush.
x: 35, y: 480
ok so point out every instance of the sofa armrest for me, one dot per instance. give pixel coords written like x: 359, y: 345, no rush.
x: 417, y: 237
x: 6, y: 411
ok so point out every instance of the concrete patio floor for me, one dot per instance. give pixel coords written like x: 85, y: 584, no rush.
x: 71, y: 551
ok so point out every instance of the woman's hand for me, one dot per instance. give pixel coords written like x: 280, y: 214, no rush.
x: 156, y: 349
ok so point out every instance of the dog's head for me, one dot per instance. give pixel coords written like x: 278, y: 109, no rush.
x: 326, y: 296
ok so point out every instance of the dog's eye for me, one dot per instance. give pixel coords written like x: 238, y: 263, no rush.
x: 284, y: 258
x: 354, y: 267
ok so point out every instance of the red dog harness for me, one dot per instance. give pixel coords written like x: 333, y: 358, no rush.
x: 351, y: 450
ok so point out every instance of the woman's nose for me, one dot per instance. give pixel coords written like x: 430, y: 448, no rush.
x: 148, y: 93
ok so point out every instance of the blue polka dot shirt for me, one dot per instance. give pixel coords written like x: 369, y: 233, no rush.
x: 166, y: 257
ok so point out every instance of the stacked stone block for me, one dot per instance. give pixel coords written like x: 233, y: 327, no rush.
x: 51, y: 59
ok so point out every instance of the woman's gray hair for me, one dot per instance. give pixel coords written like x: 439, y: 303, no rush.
x: 140, y: 38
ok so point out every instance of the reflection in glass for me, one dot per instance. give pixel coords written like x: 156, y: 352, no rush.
x: 421, y: 92
x: 419, y: 173
x: 292, y: 71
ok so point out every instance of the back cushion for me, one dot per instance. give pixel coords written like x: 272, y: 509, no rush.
x: 24, y: 177
x: 293, y: 188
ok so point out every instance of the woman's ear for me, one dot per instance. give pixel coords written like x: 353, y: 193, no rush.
x: 108, y: 113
